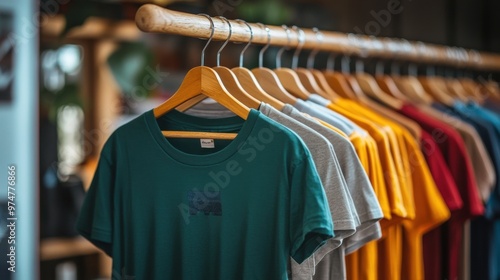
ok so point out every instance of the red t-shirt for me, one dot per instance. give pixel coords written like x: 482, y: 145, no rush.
x: 454, y: 152
x: 449, y: 191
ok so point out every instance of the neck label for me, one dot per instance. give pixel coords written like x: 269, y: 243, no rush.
x: 207, y: 143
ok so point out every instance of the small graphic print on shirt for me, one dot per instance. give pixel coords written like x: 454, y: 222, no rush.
x: 201, y: 202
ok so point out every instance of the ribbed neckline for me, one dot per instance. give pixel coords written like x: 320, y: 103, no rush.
x: 202, y: 124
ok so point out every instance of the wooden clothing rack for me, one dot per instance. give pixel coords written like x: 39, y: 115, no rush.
x: 152, y: 18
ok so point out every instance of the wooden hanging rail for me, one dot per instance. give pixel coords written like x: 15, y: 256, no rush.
x: 152, y: 18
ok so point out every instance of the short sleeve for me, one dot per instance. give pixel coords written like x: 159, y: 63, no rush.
x: 95, y: 219
x: 310, y: 218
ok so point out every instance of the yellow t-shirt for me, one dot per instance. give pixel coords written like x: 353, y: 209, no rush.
x: 430, y: 208
x: 366, y: 257
x: 359, y: 143
x: 386, y: 156
x: 425, y: 206
x: 390, y: 247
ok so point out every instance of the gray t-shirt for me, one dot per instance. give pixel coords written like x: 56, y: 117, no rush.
x: 361, y: 191
x: 343, y: 210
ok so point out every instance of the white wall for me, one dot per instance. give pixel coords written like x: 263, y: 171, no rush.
x: 19, y: 136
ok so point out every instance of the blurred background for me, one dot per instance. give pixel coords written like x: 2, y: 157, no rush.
x: 71, y: 71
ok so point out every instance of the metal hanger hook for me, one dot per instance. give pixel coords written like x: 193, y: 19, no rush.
x: 312, y: 55
x: 301, y: 39
x: 227, y: 40
x: 379, y: 67
x: 212, y: 27
x: 249, y: 41
x: 330, y: 62
x: 287, y: 47
x: 359, y: 64
x: 261, y: 53
x: 345, y: 64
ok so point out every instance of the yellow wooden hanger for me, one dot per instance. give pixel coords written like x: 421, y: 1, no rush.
x: 318, y: 75
x: 337, y: 81
x: 268, y: 79
x: 249, y: 81
x: 370, y: 87
x: 229, y: 78
x: 436, y: 88
x: 305, y: 75
x: 412, y: 87
x: 387, y: 83
x: 202, y: 80
x: 472, y: 89
x: 289, y: 78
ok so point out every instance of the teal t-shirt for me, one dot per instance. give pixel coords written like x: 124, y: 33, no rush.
x: 202, y: 208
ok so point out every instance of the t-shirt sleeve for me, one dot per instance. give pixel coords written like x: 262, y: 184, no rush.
x: 310, y: 219
x: 95, y: 219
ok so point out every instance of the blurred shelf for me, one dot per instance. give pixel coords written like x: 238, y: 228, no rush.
x: 93, y: 28
x: 59, y: 248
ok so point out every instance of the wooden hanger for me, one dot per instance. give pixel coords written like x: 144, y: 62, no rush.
x: 305, y: 76
x: 386, y: 82
x: 438, y: 90
x: 409, y: 85
x: 352, y: 87
x: 370, y: 87
x: 409, y: 124
x: 202, y: 80
x: 319, y: 84
x: 229, y: 78
x: 387, y: 85
x: 457, y: 90
x: 289, y: 78
x: 491, y: 89
x: 322, y: 82
x: 309, y: 82
x: 250, y: 83
x: 473, y: 89
x: 268, y: 80
x: 414, y: 89
x: 232, y: 84
x: 337, y: 81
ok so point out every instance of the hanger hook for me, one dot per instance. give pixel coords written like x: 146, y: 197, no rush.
x: 280, y: 52
x: 249, y: 41
x: 261, y: 53
x: 345, y: 64
x: 359, y: 65
x: 212, y: 27
x: 300, y: 37
x: 412, y: 67
x: 312, y: 55
x: 330, y: 62
x: 379, y: 67
x: 227, y: 40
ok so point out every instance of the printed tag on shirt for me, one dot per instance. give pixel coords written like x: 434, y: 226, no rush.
x: 207, y: 143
